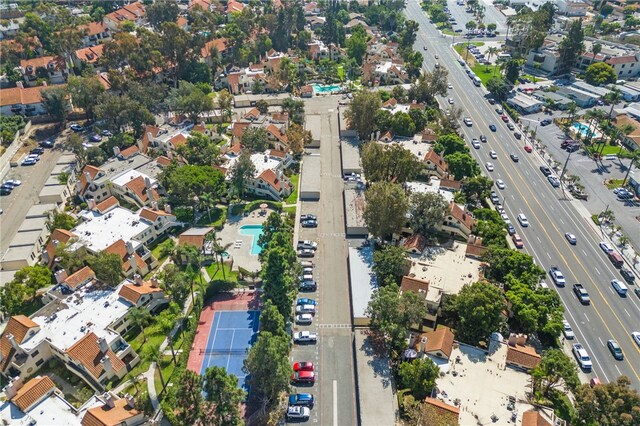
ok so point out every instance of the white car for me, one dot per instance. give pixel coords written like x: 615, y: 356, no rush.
x: 467, y: 121
x: 450, y: 86
x: 636, y: 337
x: 304, y: 319
x: 605, y: 247
x: 524, y: 222
x: 557, y: 276
x: 305, y: 337
x: 504, y: 217
x: 619, y: 287
x: 14, y: 182
x: 307, y: 244
x: 493, y: 155
x: 450, y: 100
x: 475, y: 144
x: 489, y: 166
x: 500, y: 184
x: 298, y: 413
x: 306, y: 309
x: 584, y: 361
x: 567, y: 331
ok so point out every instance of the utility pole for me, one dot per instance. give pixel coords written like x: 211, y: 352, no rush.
x: 564, y: 168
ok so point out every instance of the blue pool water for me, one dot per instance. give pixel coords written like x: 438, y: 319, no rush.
x: 255, y: 231
x: 584, y: 130
x: 317, y: 88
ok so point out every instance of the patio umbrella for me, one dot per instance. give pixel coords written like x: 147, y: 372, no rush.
x: 264, y: 206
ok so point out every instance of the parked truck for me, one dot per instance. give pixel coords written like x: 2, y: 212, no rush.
x: 582, y: 294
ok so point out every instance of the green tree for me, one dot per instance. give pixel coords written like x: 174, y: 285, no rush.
x: 535, y: 309
x: 183, y: 183
x: 450, y: 143
x: 384, y: 163
x: 271, y: 320
x: 418, y: 117
x: 512, y: 70
x: 555, y: 369
x: 189, y: 404
x: 223, y: 391
x: 389, y: 264
x: 419, y: 375
x: 571, y: 47
x: 189, y: 99
x: 199, y: 150
x: 85, y: 93
x: 279, y: 283
x: 600, y: 73
x: 387, y: 205
x: 161, y: 11
x: 262, y: 106
x: 478, y: 308
x: 499, y: 88
x: 225, y: 103
x: 75, y: 145
x: 60, y: 220
x: 614, y: 403
x: 427, y: 210
x: 361, y: 113
x: 295, y: 109
x: 462, y: 165
x: 298, y: 138
x: 107, y: 267
x: 402, y: 124
x: 56, y: 102
x: 255, y: 139
x: 503, y: 262
x: 12, y: 297
x: 269, y: 368
x: 477, y: 188
x: 33, y: 278
x: 241, y: 172
x: 357, y: 43
x: 393, y: 312
x: 635, y: 162
x: 430, y: 84
x: 140, y: 318
x: 120, y: 112
x: 177, y: 47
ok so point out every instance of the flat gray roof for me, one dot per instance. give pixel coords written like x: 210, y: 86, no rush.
x: 310, y: 179
x: 361, y: 279
x: 26, y: 238
x: 354, y: 204
x: 41, y: 210
x: 590, y: 88
x: 350, y: 154
x: 52, y: 190
x: 33, y: 224
x: 116, y: 165
x: 17, y: 253
x: 67, y: 159
x: 61, y: 168
x: 312, y: 124
x: 52, y: 181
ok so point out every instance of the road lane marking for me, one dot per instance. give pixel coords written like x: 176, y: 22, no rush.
x: 601, y: 342
x: 335, y: 403
x: 596, y: 269
x: 549, y: 256
x: 619, y: 372
x: 539, y: 240
x: 585, y: 315
x: 585, y: 253
x: 625, y: 309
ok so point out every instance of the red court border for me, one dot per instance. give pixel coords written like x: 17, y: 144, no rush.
x: 227, y: 302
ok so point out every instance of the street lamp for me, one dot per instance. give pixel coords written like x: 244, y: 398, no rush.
x: 564, y: 169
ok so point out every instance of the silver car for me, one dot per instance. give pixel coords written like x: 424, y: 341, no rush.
x: 567, y: 331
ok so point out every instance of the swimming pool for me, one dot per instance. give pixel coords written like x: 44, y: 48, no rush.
x: 583, y: 129
x: 318, y: 88
x: 254, y: 231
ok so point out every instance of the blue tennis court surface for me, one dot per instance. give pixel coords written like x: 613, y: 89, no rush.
x: 232, y: 335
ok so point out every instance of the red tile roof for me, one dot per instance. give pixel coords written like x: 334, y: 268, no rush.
x: 219, y: 43
x: 163, y: 161
x: 273, y: 129
x: 80, y: 277
x: 416, y: 241
x: 18, y: 326
x: 43, y: 62
x: 32, y: 392
x: 234, y: 6
x: 90, y: 54
x: 621, y: 60
x: 440, y: 340
x: 146, y: 140
x: 62, y: 236
x: 86, y: 351
x: 414, y: 285
x: 523, y: 356
x: 440, y: 412
x: 130, y: 12
x: 461, y: 215
x: 20, y: 96
x: 152, y: 215
x: 133, y: 292
x: 533, y: 418
x: 128, y: 152
x: 110, y: 416
x: 107, y: 204
x: 94, y: 28
x: 269, y: 177
x: 178, y: 140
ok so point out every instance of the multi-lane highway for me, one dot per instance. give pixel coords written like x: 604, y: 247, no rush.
x: 527, y: 191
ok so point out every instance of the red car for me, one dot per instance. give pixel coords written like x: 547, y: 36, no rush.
x: 528, y: 148
x: 303, y: 377
x: 303, y: 366
x: 517, y: 241
x: 505, y: 118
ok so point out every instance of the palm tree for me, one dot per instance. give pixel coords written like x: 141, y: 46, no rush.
x: 208, y: 201
x: 613, y: 98
x: 623, y: 240
x: 220, y: 250
x: 571, y: 109
x: 154, y: 356
x: 492, y: 51
x: 627, y: 129
x: 635, y: 161
x: 140, y: 318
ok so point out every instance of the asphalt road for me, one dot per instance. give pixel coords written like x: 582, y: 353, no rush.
x: 333, y: 354
x: 550, y: 215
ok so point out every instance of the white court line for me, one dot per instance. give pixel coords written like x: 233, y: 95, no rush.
x: 335, y: 403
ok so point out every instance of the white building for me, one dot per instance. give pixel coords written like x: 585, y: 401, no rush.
x: 572, y: 7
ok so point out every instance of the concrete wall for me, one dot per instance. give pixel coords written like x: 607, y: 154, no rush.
x: 5, y: 160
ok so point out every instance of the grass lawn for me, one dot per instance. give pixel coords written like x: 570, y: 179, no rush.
x: 340, y: 70
x: 533, y: 78
x: 486, y: 72
x: 290, y: 210
x: 168, y: 367
x: 615, y: 183
x: 293, y: 198
x: 608, y: 149
x: 215, y: 273
x: 218, y: 217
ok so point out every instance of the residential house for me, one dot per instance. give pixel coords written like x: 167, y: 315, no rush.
x: 143, y: 294
x: 626, y: 66
x: 136, y: 188
x: 205, y: 5
x: 88, y: 55
x: 133, y: 12
x: 437, y: 344
x: 475, y: 248
x: 440, y: 413
x: 624, y: 122
x: 51, y: 68
x: 435, y: 165
x: 114, y: 411
x: 519, y: 355
x: 95, y: 33
x: 32, y: 47
x: 277, y: 139
x: 431, y: 297
x: 219, y: 44
x: 196, y: 236
x: 415, y: 244
x: 315, y: 22
x: 234, y: 6
x: 572, y: 7
x: 458, y: 222
x: 318, y: 50
x: 271, y: 184
x: 24, y: 101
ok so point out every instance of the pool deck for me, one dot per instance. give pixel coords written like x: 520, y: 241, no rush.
x: 240, y: 249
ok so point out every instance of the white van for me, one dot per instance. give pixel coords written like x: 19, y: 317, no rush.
x: 477, y: 81
x: 619, y: 287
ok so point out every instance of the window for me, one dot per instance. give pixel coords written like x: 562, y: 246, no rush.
x: 39, y: 362
x: 623, y: 65
x: 34, y: 354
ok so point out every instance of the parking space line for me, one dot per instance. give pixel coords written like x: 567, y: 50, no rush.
x: 335, y: 403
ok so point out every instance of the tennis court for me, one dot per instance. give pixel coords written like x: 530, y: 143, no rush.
x: 231, y: 335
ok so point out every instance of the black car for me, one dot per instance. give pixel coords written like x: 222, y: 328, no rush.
x: 545, y: 170
x: 308, y: 217
x: 309, y: 223
x: 518, y: 135
x: 38, y: 151
x: 7, y: 186
x: 573, y: 148
x: 492, y: 127
x: 627, y: 275
x: 515, y: 158
x: 545, y: 122
x: 483, y: 138
x: 637, y: 291
x: 5, y: 191
x: 511, y: 229
x: 308, y: 286
x: 48, y: 143
x: 492, y: 101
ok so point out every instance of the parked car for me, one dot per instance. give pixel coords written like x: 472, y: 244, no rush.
x: 308, y: 286
x: 304, y: 319
x: 517, y: 135
x: 573, y: 148
x: 306, y: 309
x: 305, y: 337
x: 308, y: 217
x: 106, y: 133
x: 5, y: 191
x: 545, y: 170
x: 298, y: 413
x: 517, y: 241
x: 510, y: 126
x: 581, y: 355
x: 95, y: 138
x: 545, y: 122
x: 306, y: 301
x: 29, y: 162
x: 306, y: 253
x: 13, y: 182
x: 47, y: 143
x: 76, y: 127
x: 554, y: 181
x: 511, y: 229
x: 307, y: 244
x: 504, y: 118
x: 528, y: 149
x: 309, y: 223
x: 567, y: 330
x: 37, y: 151
x: 605, y: 247
x: 301, y: 399
x: 303, y: 377
x: 303, y: 366
x: 500, y: 184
